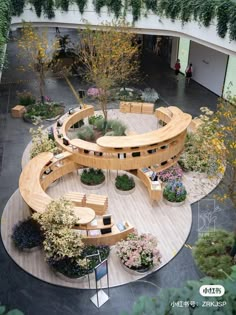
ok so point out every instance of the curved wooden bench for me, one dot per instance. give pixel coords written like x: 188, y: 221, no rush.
x: 154, y: 190
x: 165, y: 144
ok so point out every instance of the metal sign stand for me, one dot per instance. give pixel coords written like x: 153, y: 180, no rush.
x: 100, y: 297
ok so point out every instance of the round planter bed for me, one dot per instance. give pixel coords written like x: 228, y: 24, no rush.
x: 61, y: 111
x: 174, y: 204
x: 124, y: 192
x: 31, y: 250
x: 142, y: 271
x: 68, y: 279
x: 92, y: 187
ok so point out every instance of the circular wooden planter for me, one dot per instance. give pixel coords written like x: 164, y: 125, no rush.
x: 139, y: 272
x: 93, y: 187
x: 124, y: 192
x: 31, y: 250
x: 68, y: 279
x: 174, y: 204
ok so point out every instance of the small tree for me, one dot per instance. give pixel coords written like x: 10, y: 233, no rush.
x: 60, y: 239
x: 109, y: 56
x: 36, y: 46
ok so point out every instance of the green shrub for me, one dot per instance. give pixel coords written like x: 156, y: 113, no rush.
x: 212, y: 253
x: 124, y: 182
x: 86, y: 133
x: 92, y: 177
x: 26, y: 98
x: 175, y: 191
x: 110, y: 134
x: 117, y: 127
x: 92, y: 119
x: 44, y: 111
x: 99, y: 123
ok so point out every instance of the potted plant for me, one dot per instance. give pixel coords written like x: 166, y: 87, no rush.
x: 174, y: 193
x: 124, y: 183
x: 92, y: 177
x: 27, y: 235
x: 212, y: 253
x: 138, y: 253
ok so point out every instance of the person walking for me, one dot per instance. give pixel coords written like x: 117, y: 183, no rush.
x: 177, y: 68
x: 189, y: 72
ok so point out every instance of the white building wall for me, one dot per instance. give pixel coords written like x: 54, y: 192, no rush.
x: 209, y: 67
x: 151, y: 24
x: 174, y: 51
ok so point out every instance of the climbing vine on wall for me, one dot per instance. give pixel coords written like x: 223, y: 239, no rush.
x: 5, y: 18
x: 204, y: 11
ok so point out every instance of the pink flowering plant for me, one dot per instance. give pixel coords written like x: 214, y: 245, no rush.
x: 175, y: 172
x: 94, y: 92
x: 139, y: 251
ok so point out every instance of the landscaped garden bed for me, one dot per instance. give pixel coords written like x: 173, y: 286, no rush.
x: 124, y: 184
x: 41, y: 111
x: 92, y: 177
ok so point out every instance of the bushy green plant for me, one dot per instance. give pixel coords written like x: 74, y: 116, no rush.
x: 86, y: 133
x: 212, y: 253
x: 127, y: 94
x: 168, y: 300
x: 26, y: 98
x: 92, y: 119
x: 99, y: 123
x: 124, y: 182
x: 92, y: 176
x: 27, y: 234
x: 116, y: 126
x: 61, y: 241
x: 43, y: 111
x: 175, y: 191
x: 110, y: 134
x: 72, y: 269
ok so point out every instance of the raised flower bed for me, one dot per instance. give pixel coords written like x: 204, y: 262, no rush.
x: 125, y: 184
x: 174, y: 193
x: 139, y: 253
x: 92, y: 178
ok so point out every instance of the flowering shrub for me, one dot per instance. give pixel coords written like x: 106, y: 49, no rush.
x: 175, y: 191
x: 41, y: 142
x: 139, y: 251
x: 175, y: 172
x: 94, y: 92
x: 149, y: 95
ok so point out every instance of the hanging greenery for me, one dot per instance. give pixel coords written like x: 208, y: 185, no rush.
x: 151, y: 5
x: 98, y: 4
x: 81, y: 5
x: 64, y: 4
x: 207, y: 12
x: 49, y: 9
x: 136, y: 9
x: 203, y: 11
x: 5, y: 18
x: 38, y: 6
x: 223, y: 14
x: 232, y: 24
x: 17, y: 7
x: 115, y: 6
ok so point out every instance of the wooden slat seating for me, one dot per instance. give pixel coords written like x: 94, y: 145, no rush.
x: 105, y: 154
x: 111, y: 238
x: 79, y: 199
x: 98, y: 203
x: 136, y: 107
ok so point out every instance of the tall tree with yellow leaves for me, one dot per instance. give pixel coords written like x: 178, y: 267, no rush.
x: 36, y: 46
x: 109, y: 56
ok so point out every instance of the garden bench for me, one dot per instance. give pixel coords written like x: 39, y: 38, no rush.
x: 98, y: 203
x: 136, y: 107
x: 77, y: 198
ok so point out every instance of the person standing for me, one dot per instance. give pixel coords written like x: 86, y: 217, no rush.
x: 177, y: 68
x: 189, y: 72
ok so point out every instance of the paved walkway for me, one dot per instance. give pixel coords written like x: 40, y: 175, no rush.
x: 35, y: 297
